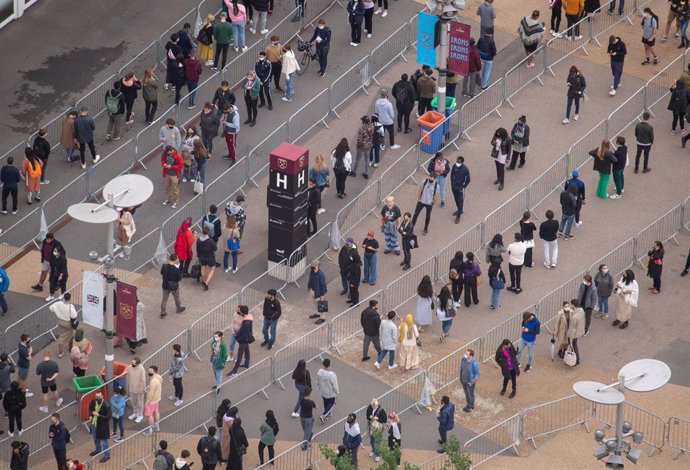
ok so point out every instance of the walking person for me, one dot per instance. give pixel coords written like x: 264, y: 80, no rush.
x: 48, y: 250
x: 487, y: 53
x: 84, y: 128
x: 341, y: 161
x: 31, y: 173
x: 520, y: 142
x: 13, y: 402
x: 497, y: 282
x: 500, y: 149
x: 210, y: 451
x: 322, y: 37
x: 206, y: 252
x: 404, y: 93
x: 616, y: 51
x: 446, y: 421
x: 568, y: 206
x: 531, y: 31
x: 306, y: 418
x: 222, y: 33
x: 409, y: 349
x: 573, y: 13
x: 576, y: 84
x: 244, y: 338
x: 80, y: 349
x: 390, y: 223
x: 428, y: 194
x: 531, y: 327
x: 327, y: 385
x: 627, y: 293
x: 67, y: 135
x: 408, y: 239
x: 177, y: 370
x: 527, y: 229
x: 269, y: 430
x: 440, y: 167
x: 580, y: 185
x: 469, y: 374
x: 459, y: 180
x: 117, y: 410
x: 445, y: 311
x: 219, y: 356
x: 172, y: 164
x: 371, y: 247
x: 58, y: 273
x: 622, y: 160
x: 302, y: 380
x: 355, y: 11
x: 115, y: 105
x: 365, y: 135
x: 678, y: 105
x: 587, y: 297
x: 319, y: 288
x: 289, y: 68
x: 548, y: 233
x: 41, y: 148
x: 57, y: 433
x: 516, y: 259
x: 352, y: 438
x: 655, y: 265
x: 644, y: 136
x: 171, y: 275
x: 470, y: 274
x: 603, y: 161
x: 388, y: 334
x: 650, y: 28
x: 506, y: 358
x: 271, y: 313
x: 99, y: 424
x: 604, y: 284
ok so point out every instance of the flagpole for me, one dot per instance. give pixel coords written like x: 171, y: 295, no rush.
x: 110, y: 303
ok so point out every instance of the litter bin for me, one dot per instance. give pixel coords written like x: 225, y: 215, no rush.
x: 83, y: 386
x: 119, y: 373
x: 430, y: 132
x: 450, y: 107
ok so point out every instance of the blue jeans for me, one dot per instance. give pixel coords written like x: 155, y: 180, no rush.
x: 496, y: 297
x: 683, y: 32
x: 486, y: 72
x: 445, y: 325
x: 289, y: 89
x: 567, y: 223
x: 469, y: 394
x: 226, y: 259
x: 442, y: 187
x: 621, y: 6
x: 603, y: 304
x: 102, y: 445
x: 119, y: 422
x: 345, y: 282
x: 232, y: 343
x: 370, y: 269
x: 382, y: 355
x: 69, y: 153
x: 569, y: 105
x: 191, y: 86
x: 218, y: 374
x: 300, y: 394
x: 201, y: 168
x: 374, y: 444
x: 269, y: 325
x: 238, y: 34
x: 617, y: 71
x: 530, y: 348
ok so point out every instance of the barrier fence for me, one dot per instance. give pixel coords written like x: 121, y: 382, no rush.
x: 678, y: 435
x: 651, y: 425
x: 555, y: 416
x: 496, y: 440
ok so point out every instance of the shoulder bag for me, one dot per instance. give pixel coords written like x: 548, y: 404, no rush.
x: 570, y: 358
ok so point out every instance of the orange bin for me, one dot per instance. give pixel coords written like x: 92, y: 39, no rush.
x: 119, y: 372
x: 430, y: 131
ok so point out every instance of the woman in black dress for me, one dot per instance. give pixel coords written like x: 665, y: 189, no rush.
x: 527, y: 229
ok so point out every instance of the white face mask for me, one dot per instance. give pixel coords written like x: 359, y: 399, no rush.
x: 216, y: 338
x: 585, y: 283
x: 262, y: 58
x: 605, y: 271
x: 466, y: 356
x: 321, y: 26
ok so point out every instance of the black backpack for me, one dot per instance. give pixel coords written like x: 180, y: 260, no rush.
x: 339, y: 166
x: 401, y: 93
x: 208, y: 448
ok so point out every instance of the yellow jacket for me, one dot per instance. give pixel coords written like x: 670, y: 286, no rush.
x: 573, y: 7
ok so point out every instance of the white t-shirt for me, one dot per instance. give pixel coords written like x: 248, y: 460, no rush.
x: 64, y: 311
x: 516, y: 253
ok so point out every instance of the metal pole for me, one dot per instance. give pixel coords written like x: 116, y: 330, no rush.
x: 110, y: 303
x: 445, y: 29
x: 620, y: 415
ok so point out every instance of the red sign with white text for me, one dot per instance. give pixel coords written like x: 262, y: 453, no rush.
x: 459, y: 48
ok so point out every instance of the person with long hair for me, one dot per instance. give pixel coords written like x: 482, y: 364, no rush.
x: 497, y: 282
x: 251, y: 86
x: 341, y: 161
x: 500, y: 149
x: 269, y: 431
x: 656, y: 260
x: 290, y: 66
x: 506, y: 358
x: 471, y: 272
x: 650, y: 28
x: 527, y: 229
x: 406, y: 230
x: 189, y: 170
x: 456, y: 277
x: 445, y: 311
x: 125, y: 226
x: 129, y: 86
x: 320, y: 172
x: 627, y: 292
x: 302, y: 380
x: 149, y: 90
x: 407, y: 337
x: 205, y: 40
x: 184, y: 241
x: 201, y: 156
x: 576, y: 84
x: 495, y: 249
x: 603, y: 161
x: 32, y: 168
x: 425, y: 303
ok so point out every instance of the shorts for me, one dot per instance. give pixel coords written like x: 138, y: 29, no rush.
x: 45, y: 266
x: 210, y: 261
x: 150, y: 409
x: 53, y: 388
x: 22, y: 373
x: 648, y: 43
x: 531, y: 47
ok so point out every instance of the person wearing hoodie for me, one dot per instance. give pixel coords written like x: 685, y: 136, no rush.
x: 404, y: 93
x: 455, y: 277
x: 230, y: 122
x: 177, y: 370
x: 573, y: 13
x: 352, y: 437
x: 117, y: 409
x: 13, y: 402
x: 235, y: 209
x: 587, y: 296
x: 531, y: 31
x: 354, y: 277
x: 171, y: 163
x: 475, y: 67
x: 370, y: 321
x: 678, y: 105
x: 603, y: 160
x: 163, y: 460
x: 209, y: 450
x: 136, y: 384
x: 206, y: 252
x: 446, y: 420
x: 575, y: 180
x: 384, y: 108
x: 617, y: 51
x: 269, y: 430
x: 244, y: 339
x: 568, y: 206
x: 327, y: 385
x: 388, y: 334
x: 192, y: 72
x: 181, y: 461
x: 20, y: 456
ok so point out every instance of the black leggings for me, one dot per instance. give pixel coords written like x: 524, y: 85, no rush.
x: 15, y: 417
x: 150, y: 110
x: 271, y: 453
x: 129, y: 104
x: 252, y: 107
x: 340, y: 179
x: 678, y: 117
x: 368, y: 17
x: 184, y: 266
x: 471, y: 288
x: 404, y: 116
x: 384, y: 3
x: 82, y: 150
x: 179, y: 390
x: 572, y: 20
x: 456, y: 288
x: 513, y: 379
x: 556, y: 17
x: 528, y: 258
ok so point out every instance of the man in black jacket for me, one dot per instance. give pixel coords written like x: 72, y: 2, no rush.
x: 271, y: 312
x: 10, y: 178
x: 263, y: 70
x: 170, y: 272
x: 47, y: 248
x: 344, y: 259
x: 42, y: 150
x: 244, y: 338
x: 370, y: 321
x: 404, y: 93
x: 459, y: 180
x: 223, y: 97
x: 487, y: 53
x: 20, y: 456
x: 100, y: 426
x: 209, y: 449
x: 354, y: 277
x: 548, y: 232
x: 322, y: 37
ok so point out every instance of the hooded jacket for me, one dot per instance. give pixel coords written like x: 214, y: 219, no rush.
x: 327, y: 383
x: 569, y: 200
x: 370, y: 321
x: 384, y: 108
x: 184, y: 241
x: 530, y: 30
x: 176, y: 166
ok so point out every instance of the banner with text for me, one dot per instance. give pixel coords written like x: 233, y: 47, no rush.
x: 92, y: 299
x: 459, y: 49
x: 426, y: 53
x: 126, y: 310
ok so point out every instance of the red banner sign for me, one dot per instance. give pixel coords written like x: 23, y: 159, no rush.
x: 459, y: 48
x: 126, y: 310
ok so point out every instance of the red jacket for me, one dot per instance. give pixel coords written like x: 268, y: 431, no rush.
x: 475, y: 60
x: 192, y: 70
x: 184, y: 241
x: 178, y: 163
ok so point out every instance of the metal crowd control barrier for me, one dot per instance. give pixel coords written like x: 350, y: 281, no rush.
x: 445, y: 372
x: 651, y: 425
x: 217, y: 319
x: 686, y: 214
x: 350, y: 82
x: 286, y: 29
x: 509, y: 328
x: 347, y: 324
x: 439, y: 462
x: 309, y: 347
x: 662, y: 229
x: 521, y: 76
x: 618, y: 260
x: 470, y: 241
x: 506, y: 215
x: 314, y: 248
x: 554, y: 416
x: 550, y: 181
x: 627, y: 113
x: 678, y: 435
x: 482, y: 106
x: 236, y: 70
x: 318, y: 107
x: 579, y: 152
x: 149, y: 57
x: 253, y: 294
x: 496, y: 440
x: 387, y: 52
x: 404, y: 288
x: 94, y: 101
x: 202, y: 93
x: 126, y: 454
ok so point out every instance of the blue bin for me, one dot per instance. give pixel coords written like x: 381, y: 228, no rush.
x: 430, y: 132
x: 450, y: 107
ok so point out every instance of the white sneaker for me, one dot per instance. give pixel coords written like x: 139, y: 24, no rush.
x: 377, y: 365
x: 50, y: 298
x: 577, y: 38
x: 244, y: 48
x: 10, y: 434
x: 234, y: 271
x: 252, y: 30
x: 614, y: 196
x: 612, y: 92
x: 184, y: 180
x: 227, y: 270
x: 237, y: 49
x: 58, y: 402
x: 98, y: 157
x: 21, y: 431
x: 208, y: 63
x: 165, y: 203
x: 264, y: 31
x: 394, y: 366
x: 369, y: 35
x: 377, y: 458
x: 396, y: 146
x: 174, y: 206
x: 172, y: 397
x: 371, y: 454
x: 385, y: 13
x: 565, y: 121
x: 295, y: 415
x: 321, y: 211
x: 376, y: 165
x: 132, y: 416
x: 178, y: 402
x: 576, y: 117
x: 28, y: 394
x: 354, y: 44
x: 578, y: 224
x: 139, y: 419
x: 377, y: 11
x: 547, y: 265
x: 285, y: 98
x: 83, y: 166
x: 44, y: 409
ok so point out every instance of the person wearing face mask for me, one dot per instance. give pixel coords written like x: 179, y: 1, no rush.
x: 170, y: 272
x: 58, y: 272
x: 177, y: 370
x: 576, y: 326
x: 58, y: 435
x: 47, y: 248
x: 604, y: 284
x: 428, y: 195
x: 153, y: 398
x: 219, y: 355
x: 99, y: 423
x: 170, y: 135
x: 322, y: 36
x: 440, y: 166
x: 469, y: 373
x: 251, y: 86
x: 48, y: 370
x: 264, y: 71
x: 560, y: 331
x: 136, y: 384
x: 531, y: 327
x: 230, y: 123
x: 587, y: 295
x: 459, y: 180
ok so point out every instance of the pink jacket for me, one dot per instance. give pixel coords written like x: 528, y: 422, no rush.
x: 242, y: 11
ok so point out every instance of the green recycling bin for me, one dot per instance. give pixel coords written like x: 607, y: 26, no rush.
x: 84, y: 386
x: 450, y: 107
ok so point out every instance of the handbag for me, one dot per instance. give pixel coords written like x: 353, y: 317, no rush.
x: 419, y: 343
x: 570, y: 358
x: 494, y: 152
x: 498, y: 283
x: 413, y: 242
x: 233, y: 244
x: 74, y: 322
x: 195, y: 271
x: 198, y: 185
x: 322, y: 306
x: 450, y: 312
x: 479, y: 280
x: 529, y: 243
